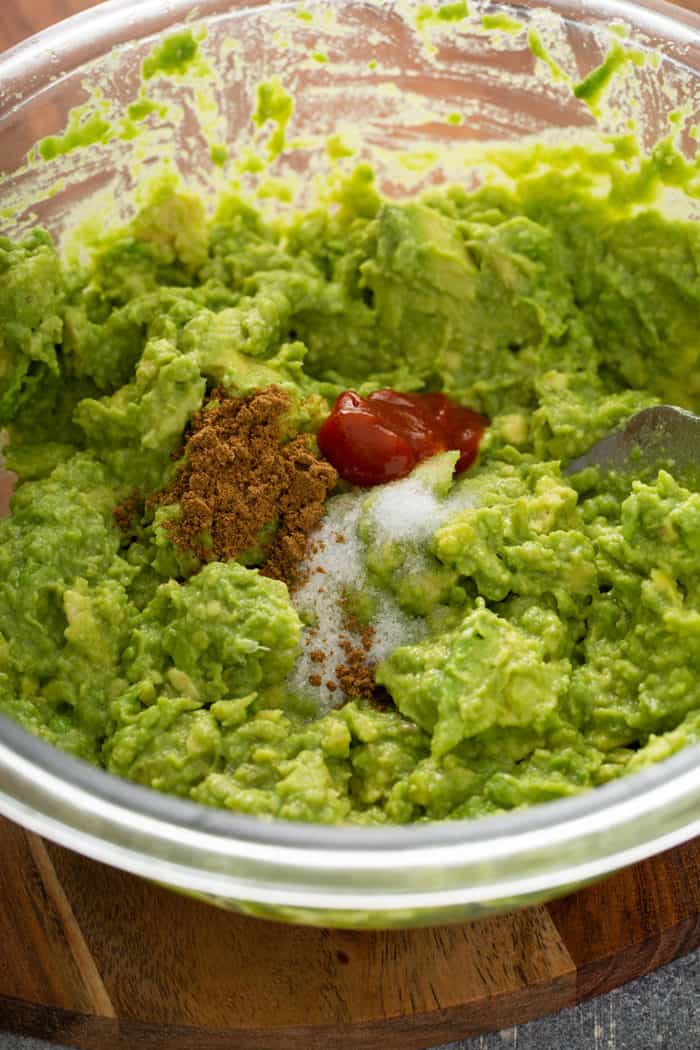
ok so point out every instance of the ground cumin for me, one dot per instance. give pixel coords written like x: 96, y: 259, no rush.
x: 127, y: 510
x: 238, y: 476
x: 355, y: 676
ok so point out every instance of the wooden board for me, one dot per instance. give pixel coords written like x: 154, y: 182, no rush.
x: 101, y: 960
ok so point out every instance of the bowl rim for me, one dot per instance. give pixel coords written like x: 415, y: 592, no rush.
x: 88, y: 31
x: 269, y: 862
x: 217, y: 822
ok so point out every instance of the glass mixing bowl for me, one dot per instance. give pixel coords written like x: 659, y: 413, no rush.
x: 361, y: 70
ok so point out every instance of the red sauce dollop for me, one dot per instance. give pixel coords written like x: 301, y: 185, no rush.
x: 382, y: 437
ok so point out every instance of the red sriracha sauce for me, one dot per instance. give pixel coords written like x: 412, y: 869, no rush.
x: 382, y: 437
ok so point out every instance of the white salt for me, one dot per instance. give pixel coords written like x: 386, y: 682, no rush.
x: 334, y: 562
x: 406, y: 511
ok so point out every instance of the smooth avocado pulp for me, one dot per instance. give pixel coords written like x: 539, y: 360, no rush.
x: 536, y: 634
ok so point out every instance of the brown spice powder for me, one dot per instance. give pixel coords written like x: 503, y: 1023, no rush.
x: 238, y: 477
x: 355, y: 675
x: 125, y: 512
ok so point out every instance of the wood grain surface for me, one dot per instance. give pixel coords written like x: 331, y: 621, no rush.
x: 102, y: 960
x: 44, y: 958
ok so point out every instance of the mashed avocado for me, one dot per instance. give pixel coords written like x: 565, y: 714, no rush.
x: 549, y: 633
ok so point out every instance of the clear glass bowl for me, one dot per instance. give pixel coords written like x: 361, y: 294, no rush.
x: 391, y: 88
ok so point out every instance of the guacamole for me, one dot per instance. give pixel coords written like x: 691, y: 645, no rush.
x: 533, y: 634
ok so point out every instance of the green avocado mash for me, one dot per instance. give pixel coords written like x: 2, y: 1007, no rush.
x: 549, y: 626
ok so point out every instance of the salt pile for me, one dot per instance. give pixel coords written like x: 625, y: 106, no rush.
x: 409, y: 511
x: 406, y: 511
x: 334, y: 565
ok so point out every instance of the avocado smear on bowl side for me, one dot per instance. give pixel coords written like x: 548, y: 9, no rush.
x: 549, y: 626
